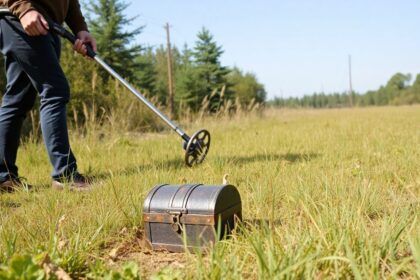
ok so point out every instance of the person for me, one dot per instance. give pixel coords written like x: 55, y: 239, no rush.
x: 32, y: 56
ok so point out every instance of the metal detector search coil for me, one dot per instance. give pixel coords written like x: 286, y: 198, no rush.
x: 196, y: 147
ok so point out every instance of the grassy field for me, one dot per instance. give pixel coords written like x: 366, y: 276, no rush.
x: 326, y: 194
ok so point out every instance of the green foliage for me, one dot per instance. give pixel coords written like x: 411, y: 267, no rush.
x: 26, y: 267
x: 129, y: 271
x: 87, y: 88
x: 161, y: 70
x: 246, y: 87
x: 188, y: 83
x: 145, y: 72
x: 167, y: 274
x: 22, y: 267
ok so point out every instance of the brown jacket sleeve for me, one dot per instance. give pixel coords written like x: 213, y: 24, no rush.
x: 19, y: 7
x: 75, y: 19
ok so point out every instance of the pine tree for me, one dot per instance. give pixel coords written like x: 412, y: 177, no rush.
x: 188, y: 83
x: 108, y: 24
x: 161, y: 70
x: 146, y: 73
x: 207, y: 58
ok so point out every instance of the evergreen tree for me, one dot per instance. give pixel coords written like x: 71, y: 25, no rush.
x: 146, y: 73
x: 108, y: 24
x: 161, y: 70
x: 207, y: 58
x: 188, y: 82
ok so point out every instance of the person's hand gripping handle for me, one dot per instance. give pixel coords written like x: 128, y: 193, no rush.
x: 90, y: 47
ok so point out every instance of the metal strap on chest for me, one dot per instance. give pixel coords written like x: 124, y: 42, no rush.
x: 176, y: 211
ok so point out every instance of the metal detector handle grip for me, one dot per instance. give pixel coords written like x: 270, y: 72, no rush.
x: 63, y: 32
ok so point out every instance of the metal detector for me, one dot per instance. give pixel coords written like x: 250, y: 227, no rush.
x: 196, y: 147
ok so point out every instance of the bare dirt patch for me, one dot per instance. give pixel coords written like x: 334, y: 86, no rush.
x: 137, y: 249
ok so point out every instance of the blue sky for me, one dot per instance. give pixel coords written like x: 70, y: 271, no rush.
x: 296, y: 47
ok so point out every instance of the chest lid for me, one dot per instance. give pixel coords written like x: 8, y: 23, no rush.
x: 195, y: 199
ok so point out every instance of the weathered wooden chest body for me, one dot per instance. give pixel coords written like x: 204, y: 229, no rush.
x: 191, y: 213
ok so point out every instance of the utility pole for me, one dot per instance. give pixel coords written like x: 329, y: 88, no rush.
x: 170, y: 73
x: 351, y: 83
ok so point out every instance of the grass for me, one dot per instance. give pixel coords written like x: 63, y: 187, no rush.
x: 326, y: 194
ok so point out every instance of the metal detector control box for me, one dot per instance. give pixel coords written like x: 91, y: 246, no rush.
x: 190, y: 216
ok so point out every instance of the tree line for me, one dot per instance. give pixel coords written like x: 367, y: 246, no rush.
x: 399, y: 90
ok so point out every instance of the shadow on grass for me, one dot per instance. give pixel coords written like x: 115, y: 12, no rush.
x: 289, y: 157
x: 178, y: 164
x: 139, y: 169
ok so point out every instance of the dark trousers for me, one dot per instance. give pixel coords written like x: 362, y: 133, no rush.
x: 32, y: 67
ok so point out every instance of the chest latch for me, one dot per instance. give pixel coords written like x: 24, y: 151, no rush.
x: 176, y: 215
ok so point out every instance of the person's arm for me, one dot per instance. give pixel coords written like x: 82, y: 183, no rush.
x: 76, y: 21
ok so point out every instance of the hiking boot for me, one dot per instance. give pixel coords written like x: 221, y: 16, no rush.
x: 12, y: 185
x: 78, y: 183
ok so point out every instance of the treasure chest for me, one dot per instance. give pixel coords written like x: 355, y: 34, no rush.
x: 192, y: 216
